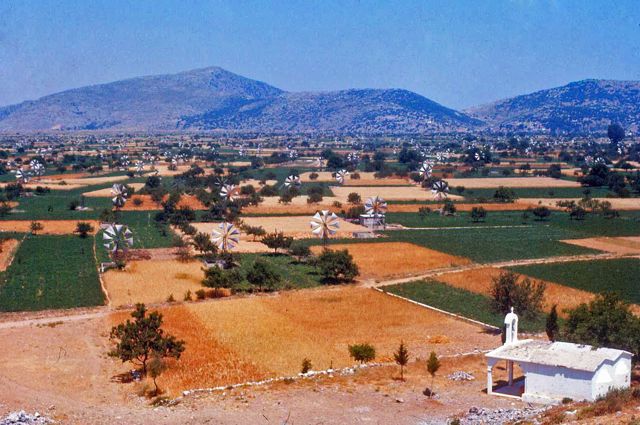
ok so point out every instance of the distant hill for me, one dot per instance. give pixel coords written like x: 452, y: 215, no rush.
x: 215, y: 99
x: 586, y: 106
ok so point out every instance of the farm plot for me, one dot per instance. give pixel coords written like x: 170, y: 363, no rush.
x: 147, y: 233
x: 491, y: 182
x: 618, y: 275
x: 366, y: 179
x: 152, y: 281
x: 316, y: 324
x: 50, y: 227
x: 616, y: 203
x: 396, y: 259
x: 389, y: 193
x: 52, y: 185
x: 50, y: 272
x: 622, y: 245
x: 295, y: 226
x: 8, y: 249
x: 479, y: 281
x: 456, y: 300
x: 145, y: 203
x: 299, y: 205
x: 460, y: 206
x: 90, y: 181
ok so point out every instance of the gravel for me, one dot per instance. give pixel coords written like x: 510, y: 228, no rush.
x: 461, y: 376
x: 479, y: 415
x: 23, y: 418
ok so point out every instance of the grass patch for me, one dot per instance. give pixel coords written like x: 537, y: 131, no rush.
x: 51, y: 272
x: 147, y: 233
x: 542, y: 192
x: 458, y: 301
x: 293, y: 274
x: 619, y: 275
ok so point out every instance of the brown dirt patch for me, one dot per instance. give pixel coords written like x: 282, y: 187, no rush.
x: 51, y: 227
x: 149, y: 205
x: 480, y: 280
x: 396, y: 259
x: 152, y: 281
x: 366, y: 179
x: 616, y: 203
x: 460, y: 207
x: 490, y: 182
x: 8, y: 248
x: 298, y: 205
x: 620, y: 245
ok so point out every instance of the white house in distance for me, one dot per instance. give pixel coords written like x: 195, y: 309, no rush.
x: 555, y: 370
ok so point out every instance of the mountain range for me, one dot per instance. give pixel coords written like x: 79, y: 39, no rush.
x: 211, y: 99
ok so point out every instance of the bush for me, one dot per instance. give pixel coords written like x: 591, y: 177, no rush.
x: 277, y: 240
x: 299, y: 251
x: 83, y: 229
x: 354, y: 198
x: 478, y: 214
x: 306, y: 365
x: 362, y: 352
x: 337, y: 266
x: 504, y: 194
x: 263, y: 276
x: 201, y: 294
x: 541, y: 213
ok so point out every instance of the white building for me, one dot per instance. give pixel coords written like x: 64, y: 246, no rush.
x: 553, y: 371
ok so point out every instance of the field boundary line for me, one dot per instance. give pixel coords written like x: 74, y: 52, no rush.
x: 448, y: 313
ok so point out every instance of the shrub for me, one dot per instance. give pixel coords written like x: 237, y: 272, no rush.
x: 201, y: 294
x: 137, y: 201
x: 83, y: 229
x: 337, y: 266
x: 187, y: 296
x: 541, y: 213
x: 362, y: 352
x: 299, y: 251
x: 263, y: 276
x: 314, y: 176
x: 354, y: 198
x: 306, y: 365
x: 504, y: 194
x: 277, y: 240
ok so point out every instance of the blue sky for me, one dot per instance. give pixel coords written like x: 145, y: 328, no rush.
x: 459, y: 53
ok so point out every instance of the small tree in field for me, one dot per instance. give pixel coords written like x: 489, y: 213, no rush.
x: 262, y: 275
x: 83, y: 229
x: 362, y: 352
x: 402, y: 358
x: 551, y: 326
x: 525, y: 296
x: 35, y: 227
x: 255, y: 231
x: 337, y: 266
x: 277, y: 240
x: 139, y: 340
x: 478, y: 214
x: 354, y: 198
x: 433, y: 364
x: 202, y: 243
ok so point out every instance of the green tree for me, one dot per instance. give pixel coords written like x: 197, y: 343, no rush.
x: 337, y: 266
x: 504, y: 194
x: 478, y: 214
x: 525, y: 296
x: 35, y: 227
x: 263, y: 275
x: 299, y: 251
x: 354, y: 198
x: 433, y: 365
x: 551, y: 325
x: 83, y: 229
x: 255, y: 231
x: 277, y: 240
x: 216, y: 278
x: 138, y: 340
x: 202, y: 243
x: 607, y: 321
x: 362, y: 352
x: 615, y: 133
x: 541, y: 213
x: 402, y: 358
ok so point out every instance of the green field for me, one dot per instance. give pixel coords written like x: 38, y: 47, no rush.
x: 541, y: 192
x: 147, y: 233
x: 458, y: 301
x: 50, y: 272
x: 619, y: 275
x: 293, y: 274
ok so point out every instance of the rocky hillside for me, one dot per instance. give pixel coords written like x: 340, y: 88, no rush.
x: 581, y: 107
x: 215, y: 99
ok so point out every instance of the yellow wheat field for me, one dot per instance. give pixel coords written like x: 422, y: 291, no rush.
x: 490, y: 183
x: 50, y: 227
x: 395, y: 193
x: 152, y: 281
x: 396, y: 259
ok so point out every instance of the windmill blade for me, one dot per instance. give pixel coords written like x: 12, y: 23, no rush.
x: 228, y: 192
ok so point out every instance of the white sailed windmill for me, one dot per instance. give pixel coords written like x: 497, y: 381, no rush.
x: 117, y: 237
x: 227, y: 237
x: 440, y: 190
x: 228, y: 192
x: 139, y: 167
x: 292, y: 181
x: 324, y: 224
x: 36, y: 167
x: 119, y: 193
x: 341, y: 175
x: 426, y: 169
x: 376, y: 206
x: 23, y: 176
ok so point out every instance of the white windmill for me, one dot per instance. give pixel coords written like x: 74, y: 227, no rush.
x: 341, y: 176
x: 292, y: 181
x: 117, y: 238
x: 228, y: 192
x: 227, y: 237
x: 23, y: 176
x: 324, y: 224
x: 440, y: 190
x: 376, y: 208
x: 119, y: 193
x: 36, y: 167
x: 426, y: 169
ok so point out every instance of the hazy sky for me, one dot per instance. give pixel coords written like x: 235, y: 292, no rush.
x: 458, y: 53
